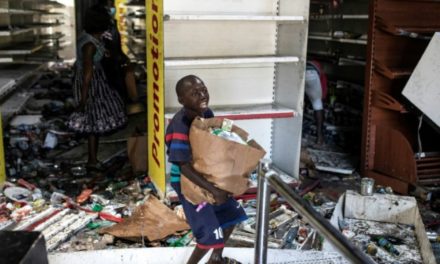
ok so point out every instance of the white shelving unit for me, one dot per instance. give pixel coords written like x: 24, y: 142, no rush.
x: 251, y: 55
x: 342, y: 40
x: 26, y: 31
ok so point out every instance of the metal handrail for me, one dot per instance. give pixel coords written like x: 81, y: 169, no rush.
x: 268, y: 179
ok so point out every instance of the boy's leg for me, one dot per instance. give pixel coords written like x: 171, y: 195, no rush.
x: 217, y: 254
x: 204, y: 225
x: 228, y: 214
x: 211, y: 226
x: 197, y: 255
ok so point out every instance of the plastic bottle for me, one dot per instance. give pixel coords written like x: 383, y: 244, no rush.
x: 184, y: 241
x: 58, y: 198
x: 384, y: 243
x: 290, y: 237
x: 371, y: 249
x: 116, y: 186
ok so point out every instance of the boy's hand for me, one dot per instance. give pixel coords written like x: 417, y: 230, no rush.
x: 220, y: 196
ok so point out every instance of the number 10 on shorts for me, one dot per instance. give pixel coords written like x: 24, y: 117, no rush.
x: 218, y: 233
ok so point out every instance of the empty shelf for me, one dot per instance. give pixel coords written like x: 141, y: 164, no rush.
x: 423, y: 32
x: 54, y: 36
x: 14, y: 32
x: 21, y: 49
x: 53, y: 4
x: 136, y: 57
x: 18, y: 71
x: 6, y: 85
x: 383, y: 100
x: 348, y: 61
x: 345, y: 84
x: 428, y: 170
x: 137, y: 40
x: 45, y: 25
x: 392, y: 72
x: 245, y: 112
x: 46, y: 13
x: 13, y: 11
x: 171, y: 17
x: 338, y: 16
x: 135, y: 15
x: 229, y: 60
x: 139, y: 34
x: 135, y: 4
x: 342, y: 40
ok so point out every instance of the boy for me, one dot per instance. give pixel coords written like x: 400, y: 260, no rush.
x: 213, y: 224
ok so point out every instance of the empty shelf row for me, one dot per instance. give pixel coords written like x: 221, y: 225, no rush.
x: 13, y: 31
x: 200, y: 17
x: 342, y: 40
x: 176, y: 62
x: 245, y: 112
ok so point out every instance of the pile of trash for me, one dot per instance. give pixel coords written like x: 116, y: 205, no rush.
x: 32, y: 137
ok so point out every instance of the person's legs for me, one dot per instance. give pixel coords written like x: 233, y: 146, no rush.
x: 313, y: 90
x: 197, y: 255
x: 217, y: 254
x: 130, y: 83
x: 93, y: 141
x: 319, y: 118
x: 204, y: 225
x: 211, y: 226
x: 228, y: 214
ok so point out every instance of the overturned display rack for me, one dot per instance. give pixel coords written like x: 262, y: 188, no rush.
x: 393, y: 133
x: 269, y: 179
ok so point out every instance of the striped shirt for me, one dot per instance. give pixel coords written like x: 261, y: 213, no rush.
x: 177, y: 141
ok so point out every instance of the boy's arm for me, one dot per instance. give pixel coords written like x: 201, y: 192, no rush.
x: 220, y: 196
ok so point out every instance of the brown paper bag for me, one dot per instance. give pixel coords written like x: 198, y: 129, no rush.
x: 137, y: 153
x: 153, y: 220
x: 193, y: 193
x: 224, y: 163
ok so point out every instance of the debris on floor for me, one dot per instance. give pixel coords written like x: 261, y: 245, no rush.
x: 333, y: 161
x: 387, y: 227
x: 152, y: 220
x: 48, y: 189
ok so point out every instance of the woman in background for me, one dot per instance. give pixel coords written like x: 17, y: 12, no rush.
x: 100, y: 109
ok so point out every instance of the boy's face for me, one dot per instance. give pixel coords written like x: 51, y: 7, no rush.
x: 195, y: 96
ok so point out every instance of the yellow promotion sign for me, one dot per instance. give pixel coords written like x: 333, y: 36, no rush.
x: 2, y: 155
x: 121, y: 10
x: 155, y: 94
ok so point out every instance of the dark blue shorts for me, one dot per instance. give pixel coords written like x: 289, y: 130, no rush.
x: 207, y: 225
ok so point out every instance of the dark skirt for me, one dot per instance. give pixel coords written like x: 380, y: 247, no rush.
x: 104, y: 110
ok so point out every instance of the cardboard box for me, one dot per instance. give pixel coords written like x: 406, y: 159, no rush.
x: 137, y: 153
x: 386, y: 208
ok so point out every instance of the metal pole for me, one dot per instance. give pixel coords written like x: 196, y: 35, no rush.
x: 262, y: 224
x: 317, y: 221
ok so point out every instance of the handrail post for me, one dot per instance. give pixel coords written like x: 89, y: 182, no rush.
x: 324, y: 227
x: 262, y: 224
